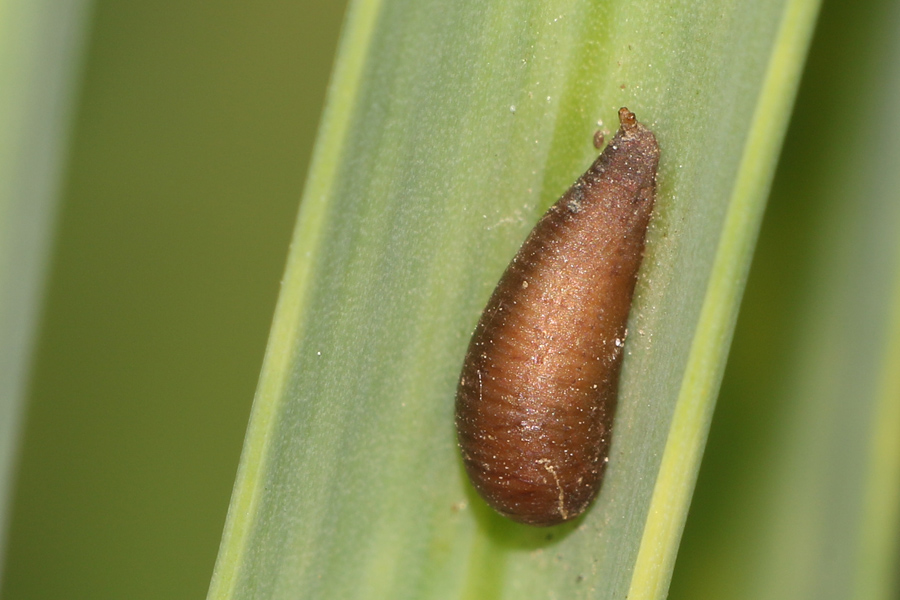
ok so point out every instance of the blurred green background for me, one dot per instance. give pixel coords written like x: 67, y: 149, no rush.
x: 796, y: 403
x: 192, y: 133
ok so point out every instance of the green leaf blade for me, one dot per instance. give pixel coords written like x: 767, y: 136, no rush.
x: 466, y: 122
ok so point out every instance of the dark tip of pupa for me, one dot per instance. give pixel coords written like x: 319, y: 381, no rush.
x: 626, y: 118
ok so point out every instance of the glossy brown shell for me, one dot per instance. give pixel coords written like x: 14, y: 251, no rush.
x: 538, y: 389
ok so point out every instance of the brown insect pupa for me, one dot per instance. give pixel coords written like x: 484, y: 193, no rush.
x: 538, y: 389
